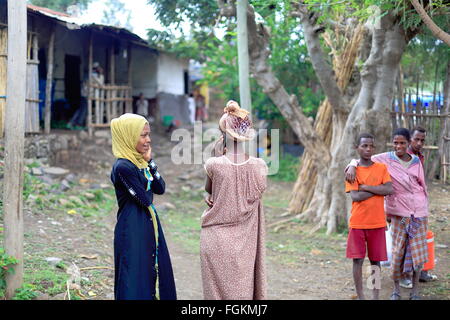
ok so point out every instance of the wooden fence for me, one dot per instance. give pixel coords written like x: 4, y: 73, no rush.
x: 107, y: 102
x: 32, y: 94
x: 434, y: 119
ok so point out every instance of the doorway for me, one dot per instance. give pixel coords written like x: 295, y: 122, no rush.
x: 72, y: 83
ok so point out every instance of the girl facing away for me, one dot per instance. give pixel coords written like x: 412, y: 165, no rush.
x: 232, y: 240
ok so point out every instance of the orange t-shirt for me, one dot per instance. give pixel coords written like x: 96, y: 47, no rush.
x: 368, y: 214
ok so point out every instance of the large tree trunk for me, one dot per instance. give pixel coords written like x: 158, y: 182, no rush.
x: 258, y: 44
x: 369, y: 113
x: 343, y: 65
x: 365, y: 108
x: 444, y: 144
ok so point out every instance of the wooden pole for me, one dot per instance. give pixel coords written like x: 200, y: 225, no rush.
x: 3, y: 67
x: 14, y: 140
x: 90, y: 97
x: 129, y: 93
x: 49, y: 83
x: 242, y: 36
x: 112, y: 66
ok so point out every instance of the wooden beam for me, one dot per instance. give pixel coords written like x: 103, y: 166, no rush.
x: 129, y: 94
x: 412, y: 114
x: 49, y: 83
x: 89, y: 112
x: 15, y: 140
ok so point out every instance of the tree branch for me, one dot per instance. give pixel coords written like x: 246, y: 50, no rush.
x: 321, y: 65
x: 434, y: 28
x: 259, y: 52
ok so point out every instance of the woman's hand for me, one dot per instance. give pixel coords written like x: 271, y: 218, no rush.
x: 209, y: 201
x: 148, y: 155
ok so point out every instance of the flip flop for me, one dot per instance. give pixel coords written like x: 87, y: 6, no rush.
x: 395, y: 296
x: 414, y: 297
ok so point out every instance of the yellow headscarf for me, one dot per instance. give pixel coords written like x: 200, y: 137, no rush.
x: 125, y: 132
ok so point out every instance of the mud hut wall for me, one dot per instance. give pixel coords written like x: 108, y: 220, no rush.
x: 144, y: 74
x: 67, y: 42
x: 121, y: 60
x: 171, y: 74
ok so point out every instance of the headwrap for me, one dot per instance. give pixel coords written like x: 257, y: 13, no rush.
x: 125, y: 132
x: 236, y: 122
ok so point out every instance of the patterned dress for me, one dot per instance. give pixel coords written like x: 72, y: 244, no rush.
x: 232, y: 245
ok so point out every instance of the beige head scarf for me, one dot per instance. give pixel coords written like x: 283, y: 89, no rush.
x: 125, y: 132
x: 236, y: 122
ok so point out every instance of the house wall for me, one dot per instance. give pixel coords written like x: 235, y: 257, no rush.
x: 171, y: 73
x: 144, y: 72
x: 66, y: 43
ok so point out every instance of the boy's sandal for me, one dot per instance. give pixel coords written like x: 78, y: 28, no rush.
x: 414, y: 297
x: 395, y: 296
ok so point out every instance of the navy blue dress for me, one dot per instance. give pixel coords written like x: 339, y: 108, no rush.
x: 134, y: 237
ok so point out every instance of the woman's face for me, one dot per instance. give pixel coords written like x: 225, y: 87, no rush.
x: 400, y: 145
x: 143, y: 144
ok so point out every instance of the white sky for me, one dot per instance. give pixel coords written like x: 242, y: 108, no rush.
x: 142, y: 15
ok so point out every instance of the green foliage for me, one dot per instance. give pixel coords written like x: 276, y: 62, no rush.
x: 424, y: 60
x: 60, y: 5
x: 26, y: 292
x: 364, y: 9
x: 6, y: 267
x: 288, y: 170
x: 43, y: 277
x: 117, y: 15
x: 28, y: 185
x: 289, y: 54
x: 202, y: 13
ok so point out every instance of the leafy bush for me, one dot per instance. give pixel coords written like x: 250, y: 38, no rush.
x: 26, y: 292
x: 288, y: 170
x: 6, y: 263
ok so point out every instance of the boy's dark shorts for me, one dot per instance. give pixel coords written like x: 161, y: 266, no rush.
x: 376, y: 244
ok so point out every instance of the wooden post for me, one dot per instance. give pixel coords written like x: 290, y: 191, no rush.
x: 90, y: 97
x: 129, y: 93
x: 3, y: 67
x: 112, y: 66
x: 49, y: 83
x: 243, y: 60
x: 14, y: 140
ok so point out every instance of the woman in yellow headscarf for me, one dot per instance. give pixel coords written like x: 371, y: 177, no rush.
x: 143, y: 270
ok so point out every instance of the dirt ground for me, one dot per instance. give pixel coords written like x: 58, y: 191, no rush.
x: 299, y: 266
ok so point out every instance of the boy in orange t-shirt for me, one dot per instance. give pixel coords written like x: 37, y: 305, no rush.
x: 368, y: 220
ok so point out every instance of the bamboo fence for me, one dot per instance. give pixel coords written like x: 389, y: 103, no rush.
x: 32, y: 95
x: 108, y: 102
x: 433, y: 118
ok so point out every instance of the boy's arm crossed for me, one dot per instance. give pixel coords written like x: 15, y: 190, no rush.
x: 358, y: 196
x: 381, y: 190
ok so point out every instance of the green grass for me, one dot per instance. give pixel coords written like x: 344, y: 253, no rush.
x: 102, y: 204
x: 26, y: 292
x: 44, y: 277
x: 184, y: 222
x: 289, y: 246
x: 274, y: 201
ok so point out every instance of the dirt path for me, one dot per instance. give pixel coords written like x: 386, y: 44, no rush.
x: 299, y: 266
